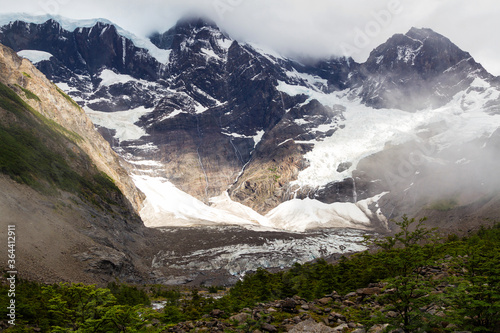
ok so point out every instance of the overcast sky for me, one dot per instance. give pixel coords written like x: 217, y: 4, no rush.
x: 303, y: 27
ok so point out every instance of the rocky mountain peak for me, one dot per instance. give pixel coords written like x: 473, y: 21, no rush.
x: 420, y: 63
x: 437, y: 54
x: 188, y: 29
x: 195, y: 22
x: 420, y: 50
x: 52, y: 23
x: 422, y: 33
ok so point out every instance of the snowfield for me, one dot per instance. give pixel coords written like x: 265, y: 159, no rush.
x: 35, y: 56
x: 123, y: 122
x: 109, y: 78
x: 167, y: 206
x: 368, y: 130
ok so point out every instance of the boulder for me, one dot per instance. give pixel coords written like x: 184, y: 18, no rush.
x: 341, y: 328
x: 216, y: 313
x: 324, y: 300
x: 312, y: 327
x: 288, y: 305
x: 269, y: 328
x: 240, y: 317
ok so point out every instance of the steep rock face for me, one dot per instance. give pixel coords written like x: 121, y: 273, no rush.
x: 55, y: 105
x: 85, y: 50
x: 225, y: 96
x: 265, y: 182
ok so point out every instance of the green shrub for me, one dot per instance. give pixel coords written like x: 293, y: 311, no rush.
x: 128, y: 295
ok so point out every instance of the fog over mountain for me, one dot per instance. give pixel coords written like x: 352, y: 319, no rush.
x: 300, y: 28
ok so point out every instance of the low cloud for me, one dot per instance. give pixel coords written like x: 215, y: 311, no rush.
x: 315, y: 28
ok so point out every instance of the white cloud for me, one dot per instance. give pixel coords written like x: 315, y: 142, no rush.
x: 299, y: 27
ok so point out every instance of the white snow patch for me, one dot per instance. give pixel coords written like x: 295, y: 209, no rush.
x: 166, y: 205
x: 312, y: 80
x: 237, y: 135
x: 66, y: 87
x: 198, y: 108
x: 201, y: 92
x: 408, y: 54
x: 210, y: 53
x: 109, y: 78
x: 171, y: 115
x: 300, y: 215
x: 35, y: 56
x: 258, y: 137
x: 146, y: 162
x: 224, y: 202
x: 325, y: 127
x: 480, y: 83
x: 123, y: 122
x: 294, y: 90
x: 366, y: 132
x: 225, y: 43
x: 465, y: 126
x: 301, y: 122
x: 282, y: 143
x: 145, y: 147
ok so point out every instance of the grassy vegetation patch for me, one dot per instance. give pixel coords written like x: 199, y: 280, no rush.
x: 11, y: 102
x: 26, y: 159
x: 67, y: 97
x: 29, y: 94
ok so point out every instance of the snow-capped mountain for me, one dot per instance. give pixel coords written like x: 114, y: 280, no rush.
x: 416, y: 70
x: 217, y: 131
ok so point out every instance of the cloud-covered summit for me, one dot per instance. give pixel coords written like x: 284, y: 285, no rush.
x: 316, y: 28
